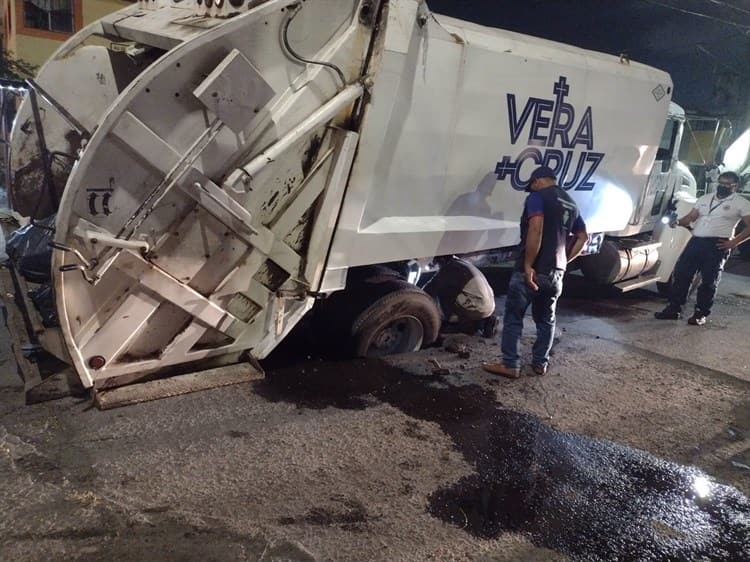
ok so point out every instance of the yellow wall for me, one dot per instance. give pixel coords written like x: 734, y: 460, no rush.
x: 9, y: 25
x: 37, y: 50
x: 34, y: 50
x: 95, y: 9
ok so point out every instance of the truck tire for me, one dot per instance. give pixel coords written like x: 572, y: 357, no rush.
x: 403, y: 320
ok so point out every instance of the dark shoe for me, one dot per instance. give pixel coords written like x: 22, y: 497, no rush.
x: 502, y: 370
x: 697, y: 319
x: 539, y: 370
x: 668, y: 313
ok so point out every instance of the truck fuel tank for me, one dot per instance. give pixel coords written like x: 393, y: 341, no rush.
x: 618, y: 261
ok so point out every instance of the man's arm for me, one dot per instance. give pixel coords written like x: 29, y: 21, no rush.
x: 579, y: 231
x: 577, y: 247
x: 740, y: 238
x: 533, y: 245
x: 691, y: 217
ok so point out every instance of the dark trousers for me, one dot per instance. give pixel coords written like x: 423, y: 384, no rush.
x: 700, y: 254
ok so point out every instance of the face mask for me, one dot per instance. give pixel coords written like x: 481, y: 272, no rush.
x: 723, y: 191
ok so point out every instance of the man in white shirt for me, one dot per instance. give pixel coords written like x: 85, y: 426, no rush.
x: 715, y: 216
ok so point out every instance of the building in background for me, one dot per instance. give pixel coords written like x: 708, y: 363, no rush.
x: 34, y: 29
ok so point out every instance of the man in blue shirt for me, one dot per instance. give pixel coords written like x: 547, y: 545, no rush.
x: 550, y: 220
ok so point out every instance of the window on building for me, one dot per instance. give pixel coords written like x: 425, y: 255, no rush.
x: 49, y: 15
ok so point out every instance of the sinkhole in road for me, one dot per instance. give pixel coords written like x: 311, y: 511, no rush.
x: 586, y: 498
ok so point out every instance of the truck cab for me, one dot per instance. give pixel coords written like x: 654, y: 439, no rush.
x: 646, y: 250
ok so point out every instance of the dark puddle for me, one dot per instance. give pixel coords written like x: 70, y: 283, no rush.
x: 588, y: 499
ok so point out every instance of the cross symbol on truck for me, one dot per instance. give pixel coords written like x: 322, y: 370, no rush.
x: 561, y: 87
x: 504, y: 168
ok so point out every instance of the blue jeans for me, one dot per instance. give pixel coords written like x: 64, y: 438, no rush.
x: 543, y: 304
x: 700, y: 254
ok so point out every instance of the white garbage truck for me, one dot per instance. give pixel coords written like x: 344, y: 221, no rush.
x: 216, y: 167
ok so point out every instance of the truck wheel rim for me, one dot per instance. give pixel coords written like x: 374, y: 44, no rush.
x: 399, y: 335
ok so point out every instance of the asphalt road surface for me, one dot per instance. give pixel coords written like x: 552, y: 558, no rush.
x: 635, y: 446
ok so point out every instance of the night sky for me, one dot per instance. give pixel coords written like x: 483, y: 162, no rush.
x: 703, y: 44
